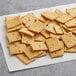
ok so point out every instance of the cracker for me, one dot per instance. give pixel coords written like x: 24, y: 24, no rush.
x: 37, y: 27
x: 29, y: 19
x: 63, y: 18
x: 13, y: 36
x: 30, y: 23
x: 69, y: 39
x: 58, y: 29
x: 16, y: 48
x: 71, y: 11
x: 71, y: 50
x: 30, y: 16
x: 32, y: 54
x: 71, y: 23
x: 45, y: 33
x: 50, y: 27
x: 27, y: 32
x: 39, y: 54
x: 39, y: 46
x: 27, y: 39
x: 13, y: 22
x: 67, y: 28
x: 64, y: 30
x: 49, y: 15
x: 53, y: 44
x: 15, y: 28
x: 39, y: 37
x: 25, y: 59
x: 58, y: 53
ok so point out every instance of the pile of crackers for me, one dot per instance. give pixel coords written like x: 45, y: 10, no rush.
x: 30, y: 37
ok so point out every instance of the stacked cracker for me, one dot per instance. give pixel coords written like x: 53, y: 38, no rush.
x: 30, y: 37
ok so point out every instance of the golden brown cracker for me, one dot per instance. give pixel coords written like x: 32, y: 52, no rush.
x: 25, y: 59
x: 27, y: 32
x: 15, y: 28
x: 39, y: 46
x: 71, y: 23
x: 37, y: 27
x: 27, y: 39
x: 32, y: 54
x: 29, y: 19
x: 13, y: 22
x: 63, y: 18
x: 50, y: 27
x: 58, y: 53
x: 53, y: 44
x: 69, y: 39
x: 16, y: 48
x: 70, y: 50
x: 45, y: 33
x: 58, y: 29
x: 13, y: 36
x: 49, y: 15
x: 67, y: 28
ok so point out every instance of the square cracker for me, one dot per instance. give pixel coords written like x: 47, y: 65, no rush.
x: 71, y: 11
x: 25, y: 59
x: 49, y: 15
x: 13, y: 22
x: 15, y: 28
x: 58, y: 29
x: 58, y: 53
x: 37, y: 27
x: 30, y: 23
x: 29, y: 19
x: 39, y: 54
x: 67, y: 28
x: 39, y: 37
x: 27, y: 32
x: 36, y: 46
x: 13, y: 36
x: 53, y: 44
x: 69, y: 39
x: 70, y: 50
x: 27, y: 39
x: 45, y: 33
x: 32, y: 54
x: 63, y: 18
x: 71, y: 23
x: 50, y: 27
x: 17, y: 48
